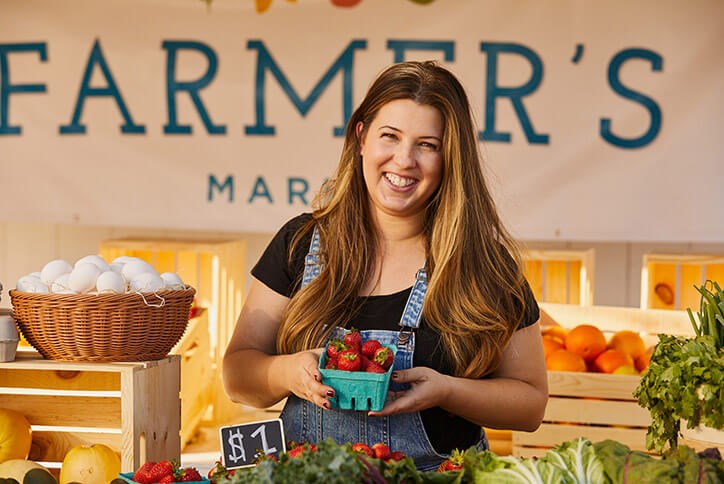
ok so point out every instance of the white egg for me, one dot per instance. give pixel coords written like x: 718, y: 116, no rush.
x: 53, y: 270
x: 25, y: 282
x: 32, y: 284
x: 146, y: 282
x: 124, y: 259
x: 94, y: 259
x: 61, y: 284
x: 171, y: 280
x: 83, y: 277
x: 133, y: 268
x: 110, y: 282
x: 116, y: 267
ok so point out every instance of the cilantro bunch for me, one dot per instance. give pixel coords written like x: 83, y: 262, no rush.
x: 685, y: 379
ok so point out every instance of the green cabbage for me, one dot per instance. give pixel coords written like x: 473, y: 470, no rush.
x: 578, y: 460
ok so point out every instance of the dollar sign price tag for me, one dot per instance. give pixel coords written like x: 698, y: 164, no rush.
x: 242, y: 444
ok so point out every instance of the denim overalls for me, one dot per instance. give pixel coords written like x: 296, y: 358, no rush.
x: 307, y: 422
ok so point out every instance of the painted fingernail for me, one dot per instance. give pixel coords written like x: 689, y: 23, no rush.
x: 394, y: 375
x: 316, y: 378
x: 330, y: 393
x: 326, y: 405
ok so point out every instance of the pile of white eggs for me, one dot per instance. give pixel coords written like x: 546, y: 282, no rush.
x: 92, y: 275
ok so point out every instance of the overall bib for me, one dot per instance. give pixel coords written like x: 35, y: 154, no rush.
x: 307, y: 422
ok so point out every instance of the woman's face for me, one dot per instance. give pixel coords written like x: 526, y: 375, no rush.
x: 401, y: 157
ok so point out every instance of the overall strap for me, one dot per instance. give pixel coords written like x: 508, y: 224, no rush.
x: 410, y: 319
x: 312, y: 262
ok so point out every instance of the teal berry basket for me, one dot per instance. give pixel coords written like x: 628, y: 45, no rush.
x: 128, y: 477
x: 357, y: 390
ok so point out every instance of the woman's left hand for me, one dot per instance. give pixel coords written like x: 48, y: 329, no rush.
x: 428, y: 388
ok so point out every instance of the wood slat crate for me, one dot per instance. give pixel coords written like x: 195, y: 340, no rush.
x: 668, y: 280
x: 215, y: 268
x: 595, y: 405
x: 197, y: 375
x: 132, y: 407
x: 560, y: 276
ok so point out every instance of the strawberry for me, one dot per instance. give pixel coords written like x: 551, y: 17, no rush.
x: 161, y: 470
x: 353, y: 339
x: 397, y: 455
x: 453, y: 463
x: 189, y: 474
x: 369, y: 347
x: 334, y: 347
x: 167, y: 478
x: 331, y: 364
x: 363, y: 449
x: 349, y: 360
x: 141, y: 475
x: 299, y: 449
x: 373, y: 367
x: 381, y: 451
x: 384, y: 357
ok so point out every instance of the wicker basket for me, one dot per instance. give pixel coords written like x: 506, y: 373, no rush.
x: 103, y: 327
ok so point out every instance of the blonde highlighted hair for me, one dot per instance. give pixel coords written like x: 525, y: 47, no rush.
x: 476, y: 293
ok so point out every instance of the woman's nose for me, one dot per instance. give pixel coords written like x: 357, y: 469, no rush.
x: 405, y: 156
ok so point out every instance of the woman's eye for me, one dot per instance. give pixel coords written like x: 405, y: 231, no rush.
x: 429, y: 146
x: 389, y: 135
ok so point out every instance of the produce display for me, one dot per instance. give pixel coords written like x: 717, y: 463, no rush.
x: 586, y: 348
x: 90, y: 464
x: 685, y: 380
x: 359, y: 371
x: 576, y: 462
x: 92, y: 274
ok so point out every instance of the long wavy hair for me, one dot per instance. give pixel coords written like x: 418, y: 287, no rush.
x: 475, y: 297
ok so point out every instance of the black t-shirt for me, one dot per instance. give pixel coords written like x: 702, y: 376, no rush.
x: 445, y: 430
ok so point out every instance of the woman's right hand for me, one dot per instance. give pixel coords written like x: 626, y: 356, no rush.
x: 304, y: 379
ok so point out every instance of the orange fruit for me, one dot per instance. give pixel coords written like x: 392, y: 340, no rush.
x: 586, y: 341
x: 628, y: 342
x: 611, y: 360
x: 555, y: 332
x: 564, y: 360
x: 642, y: 362
x: 550, y: 345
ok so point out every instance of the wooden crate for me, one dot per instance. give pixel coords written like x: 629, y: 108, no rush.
x: 216, y: 269
x: 197, y: 375
x: 132, y: 407
x: 560, y: 276
x: 668, y: 280
x: 593, y: 405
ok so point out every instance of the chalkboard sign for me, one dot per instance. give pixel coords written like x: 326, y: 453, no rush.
x: 242, y: 444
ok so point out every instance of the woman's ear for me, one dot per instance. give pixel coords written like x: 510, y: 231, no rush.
x: 358, y: 131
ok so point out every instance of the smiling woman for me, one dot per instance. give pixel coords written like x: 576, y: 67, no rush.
x: 405, y: 245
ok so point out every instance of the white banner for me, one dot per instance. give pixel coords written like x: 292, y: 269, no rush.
x: 598, y: 120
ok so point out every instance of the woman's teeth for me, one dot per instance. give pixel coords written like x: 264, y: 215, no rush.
x: 399, y: 181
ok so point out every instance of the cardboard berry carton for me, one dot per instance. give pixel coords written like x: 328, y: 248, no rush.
x: 357, y: 390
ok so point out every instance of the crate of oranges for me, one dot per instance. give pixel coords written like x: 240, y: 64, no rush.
x: 594, y: 356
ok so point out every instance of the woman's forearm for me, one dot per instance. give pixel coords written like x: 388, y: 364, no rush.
x: 255, y: 378
x: 500, y: 403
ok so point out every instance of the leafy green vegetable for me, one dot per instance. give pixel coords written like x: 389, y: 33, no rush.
x: 578, y: 460
x: 489, y: 468
x: 685, y: 380
x: 621, y: 464
x: 693, y: 468
x: 711, y: 313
